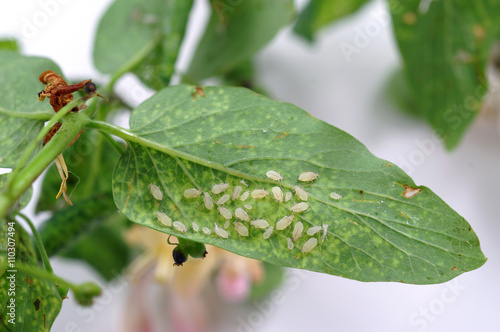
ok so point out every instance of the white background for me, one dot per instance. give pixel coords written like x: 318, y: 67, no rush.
x: 351, y: 96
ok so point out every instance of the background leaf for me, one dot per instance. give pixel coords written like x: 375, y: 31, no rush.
x: 9, y: 45
x: 320, y: 13
x: 233, y: 134
x: 445, y: 50
x: 37, y: 301
x: 19, y: 86
x: 25, y: 198
x: 145, y: 33
x: 236, y: 31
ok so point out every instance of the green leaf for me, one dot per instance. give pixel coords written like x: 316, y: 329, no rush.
x: 103, y: 248
x: 37, y: 302
x: 25, y: 198
x: 19, y: 105
x: 273, y: 278
x: 144, y: 36
x: 9, y: 45
x: 236, y: 30
x: 374, y: 233
x: 320, y: 13
x: 445, y: 50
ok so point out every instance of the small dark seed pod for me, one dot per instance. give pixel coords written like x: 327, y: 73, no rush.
x: 179, y: 256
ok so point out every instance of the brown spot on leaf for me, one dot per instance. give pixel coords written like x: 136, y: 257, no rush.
x: 37, y: 304
x: 282, y: 135
x: 409, y: 18
x: 354, y: 222
x: 410, y: 192
x: 404, y: 215
x: 28, y: 280
x: 244, y: 146
x: 454, y: 268
x: 198, y: 92
x: 361, y: 192
x: 217, y: 141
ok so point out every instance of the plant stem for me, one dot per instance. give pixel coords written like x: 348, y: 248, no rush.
x: 39, y: 243
x: 131, y: 137
x: 45, y: 116
x: 25, y: 177
x: 43, y: 274
x: 112, y: 141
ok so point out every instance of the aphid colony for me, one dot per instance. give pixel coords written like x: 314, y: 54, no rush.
x: 243, y: 220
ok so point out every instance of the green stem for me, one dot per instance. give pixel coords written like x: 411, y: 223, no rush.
x: 31, y: 148
x: 133, y: 62
x: 131, y: 137
x: 113, y: 142
x: 39, y: 243
x: 45, y: 116
x: 43, y: 274
x: 26, y: 176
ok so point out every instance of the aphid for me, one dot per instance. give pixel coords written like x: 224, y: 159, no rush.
x: 224, y: 198
x: 277, y: 193
x: 284, y: 222
x: 179, y: 256
x: 156, y: 192
x: 268, y: 233
x: 240, y: 228
x: 288, y: 196
x: 325, y: 231
x: 335, y: 196
x: 289, y: 243
x: 225, y: 212
x: 243, y: 183
x: 164, y: 219
x: 236, y: 192
x: 206, y: 230
x: 192, y: 193
x: 308, y: 176
x: 241, y: 214
x: 195, y: 226
x: 309, y: 245
x: 247, y: 206
x: 313, y: 230
x: 180, y: 226
x: 273, y: 175
x: 259, y: 223
x: 226, y: 224
x: 244, y: 196
x: 220, y: 188
x: 209, y: 202
x: 259, y: 193
x: 301, y: 193
x: 299, y: 207
x: 297, y: 231
x: 221, y: 232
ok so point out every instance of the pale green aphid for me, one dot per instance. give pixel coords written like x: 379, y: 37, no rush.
x: 259, y: 193
x: 299, y: 207
x: 221, y: 232
x: 236, y: 192
x: 309, y: 245
x: 335, y: 196
x: 220, y: 188
x: 313, y: 230
x: 225, y: 213
x: 240, y: 228
x: 206, y: 230
x: 192, y: 193
x: 284, y: 222
x: 277, y: 193
x: 208, y: 201
x: 156, y: 192
x: 224, y: 198
x: 273, y: 175
x: 301, y: 193
x: 245, y: 196
x: 297, y: 231
x: 241, y: 214
x: 179, y: 226
x: 308, y: 176
x: 268, y: 233
x: 164, y: 219
x: 259, y: 223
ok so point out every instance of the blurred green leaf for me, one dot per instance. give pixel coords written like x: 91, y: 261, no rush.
x: 320, y: 13
x: 144, y: 36
x: 9, y: 45
x: 19, y: 86
x: 273, y: 278
x: 445, y: 49
x: 37, y: 302
x: 25, y: 198
x: 381, y: 226
x: 235, y: 32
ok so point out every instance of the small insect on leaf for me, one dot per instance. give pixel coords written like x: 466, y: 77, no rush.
x: 288, y: 196
x: 313, y: 230
x: 236, y: 192
x: 156, y: 192
x: 240, y: 228
x: 192, y: 193
x: 225, y: 213
x: 297, y: 231
x: 259, y: 193
x: 277, y: 193
x: 221, y: 232
x: 179, y: 226
x: 220, y: 188
x: 244, y: 196
x: 308, y: 176
x: 273, y: 175
x: 241, y: 214
x: 268, y: 233
x: 223, y: 199
x: 208, y: 201
x: 164, y: 219
x: 206, y: 230
x: 284, y: 222
x: 289, y: 244
x: 335, y: 196
x: 301, y: 193
x: 299, y: 207
x: 259, y: 223
x: 309, y: 245
x: 195, y: 226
